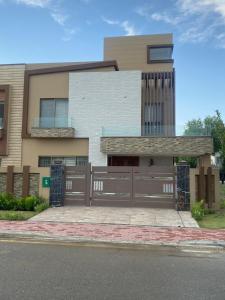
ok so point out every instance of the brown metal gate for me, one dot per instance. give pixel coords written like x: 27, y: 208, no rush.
x: 134, y: 186
x: 120, y: 186
x: 77, y: 185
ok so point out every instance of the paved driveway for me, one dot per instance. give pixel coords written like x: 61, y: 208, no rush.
x: 114, y: 215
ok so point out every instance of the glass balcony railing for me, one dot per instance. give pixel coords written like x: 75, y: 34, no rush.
x: 150, y: 130
x: 62, y: 122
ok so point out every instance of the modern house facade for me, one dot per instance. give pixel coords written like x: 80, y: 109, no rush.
x: 117, y: 112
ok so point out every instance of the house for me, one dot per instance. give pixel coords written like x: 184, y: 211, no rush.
x: 116, y: 112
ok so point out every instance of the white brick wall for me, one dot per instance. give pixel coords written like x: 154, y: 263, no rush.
x: 105, y: 99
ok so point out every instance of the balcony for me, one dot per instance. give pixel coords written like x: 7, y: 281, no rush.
x: 52, y: 128
x: 154, y: 131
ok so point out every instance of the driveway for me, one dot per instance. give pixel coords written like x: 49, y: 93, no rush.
x: 114, y: 215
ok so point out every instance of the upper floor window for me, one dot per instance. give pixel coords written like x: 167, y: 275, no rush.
x: 153, y: 118
x: 157, y: 54
x: 2, y: 107
x: 54, y: 113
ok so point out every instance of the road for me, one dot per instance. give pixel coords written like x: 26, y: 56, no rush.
x: 48, y: 271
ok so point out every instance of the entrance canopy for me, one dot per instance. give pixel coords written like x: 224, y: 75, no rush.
x: 160, y: 146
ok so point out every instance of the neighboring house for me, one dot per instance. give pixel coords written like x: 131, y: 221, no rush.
x: 117, y: 112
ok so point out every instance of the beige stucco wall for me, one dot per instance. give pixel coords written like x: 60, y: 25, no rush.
x: 55, y: 85
x: 131, y: 52
x: 32, y: 148
x: 13, y: 75
x: 45, y: 86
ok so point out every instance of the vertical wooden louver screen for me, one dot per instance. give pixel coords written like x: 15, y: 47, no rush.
x: 158, y: 104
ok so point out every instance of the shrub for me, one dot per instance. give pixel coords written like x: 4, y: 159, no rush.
x: 198, y: 210
x: 31, y: 202
x: 222, y: 204
x: 7, y: 202
x: 209, y: 211
x: 20, y: 204
x: 41, y: 207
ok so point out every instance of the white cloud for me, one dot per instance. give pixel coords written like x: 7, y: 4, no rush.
x: 165, y: 18
x: 125, y: 25
x: 202, y: 6
x: 56, y: 12
x: 69, y: 33
x: 59, y: 18
x: 128, y: 28
x: 110, y: 21
x: 34, y: 3
x: 195, y: 21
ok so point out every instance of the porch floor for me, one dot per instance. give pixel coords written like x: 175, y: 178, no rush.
x: 115, y: 215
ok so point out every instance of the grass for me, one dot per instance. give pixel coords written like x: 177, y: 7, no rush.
x: 213, y: 221
x: 222, y: 192
x: 216, y: 220
x: 16, y: 215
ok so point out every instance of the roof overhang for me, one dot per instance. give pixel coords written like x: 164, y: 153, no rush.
x: 157, y: 146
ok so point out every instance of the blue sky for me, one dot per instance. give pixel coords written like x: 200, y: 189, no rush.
x: 73, y: 30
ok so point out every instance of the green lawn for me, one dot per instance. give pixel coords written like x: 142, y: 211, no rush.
x: 222, y: 192
x: 214, y: 221
x: 16, y: 215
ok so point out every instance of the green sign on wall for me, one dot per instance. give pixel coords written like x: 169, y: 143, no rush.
x: 46, y: 182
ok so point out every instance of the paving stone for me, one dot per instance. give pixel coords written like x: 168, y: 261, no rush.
x: 115, y: 215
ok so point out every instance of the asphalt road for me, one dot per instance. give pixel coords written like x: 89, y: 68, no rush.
x: 36, y: 271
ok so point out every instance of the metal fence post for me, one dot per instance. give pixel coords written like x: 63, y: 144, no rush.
x: 183, y: 186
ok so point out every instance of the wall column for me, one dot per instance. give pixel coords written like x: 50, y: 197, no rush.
x: 9, y: 180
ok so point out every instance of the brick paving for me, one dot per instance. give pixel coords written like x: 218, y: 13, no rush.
x: 115, y: 233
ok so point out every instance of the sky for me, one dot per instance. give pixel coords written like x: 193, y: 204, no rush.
x: 73, y: 30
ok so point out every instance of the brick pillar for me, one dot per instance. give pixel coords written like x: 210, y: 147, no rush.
x: 57, y: 185
x: 183, y: 186
x: 26, y: 177
x: 9, y: 180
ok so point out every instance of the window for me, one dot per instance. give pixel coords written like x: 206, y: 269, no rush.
x: 47, y: 161
x: 53, y: 113
x: 2, y: 105
x: 157, y: 54
x: 153, y: 119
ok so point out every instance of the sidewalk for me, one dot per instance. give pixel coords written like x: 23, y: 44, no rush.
x: 122, y: 234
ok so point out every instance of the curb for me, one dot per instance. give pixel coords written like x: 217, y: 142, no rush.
x: 211, y: 246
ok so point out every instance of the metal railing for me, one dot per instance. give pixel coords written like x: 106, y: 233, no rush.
x: 153, y: 130
x: 62, y: 122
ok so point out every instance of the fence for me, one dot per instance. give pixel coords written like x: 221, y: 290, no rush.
x: 23, y: 181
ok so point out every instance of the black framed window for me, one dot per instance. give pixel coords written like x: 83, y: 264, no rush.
x: 47, y: 161
x: 159, y: 54
x: 53, y: 113
x: 153, y: 118
x: 2, y: 108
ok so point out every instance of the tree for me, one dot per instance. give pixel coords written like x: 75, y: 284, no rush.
x: 211, y: 125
